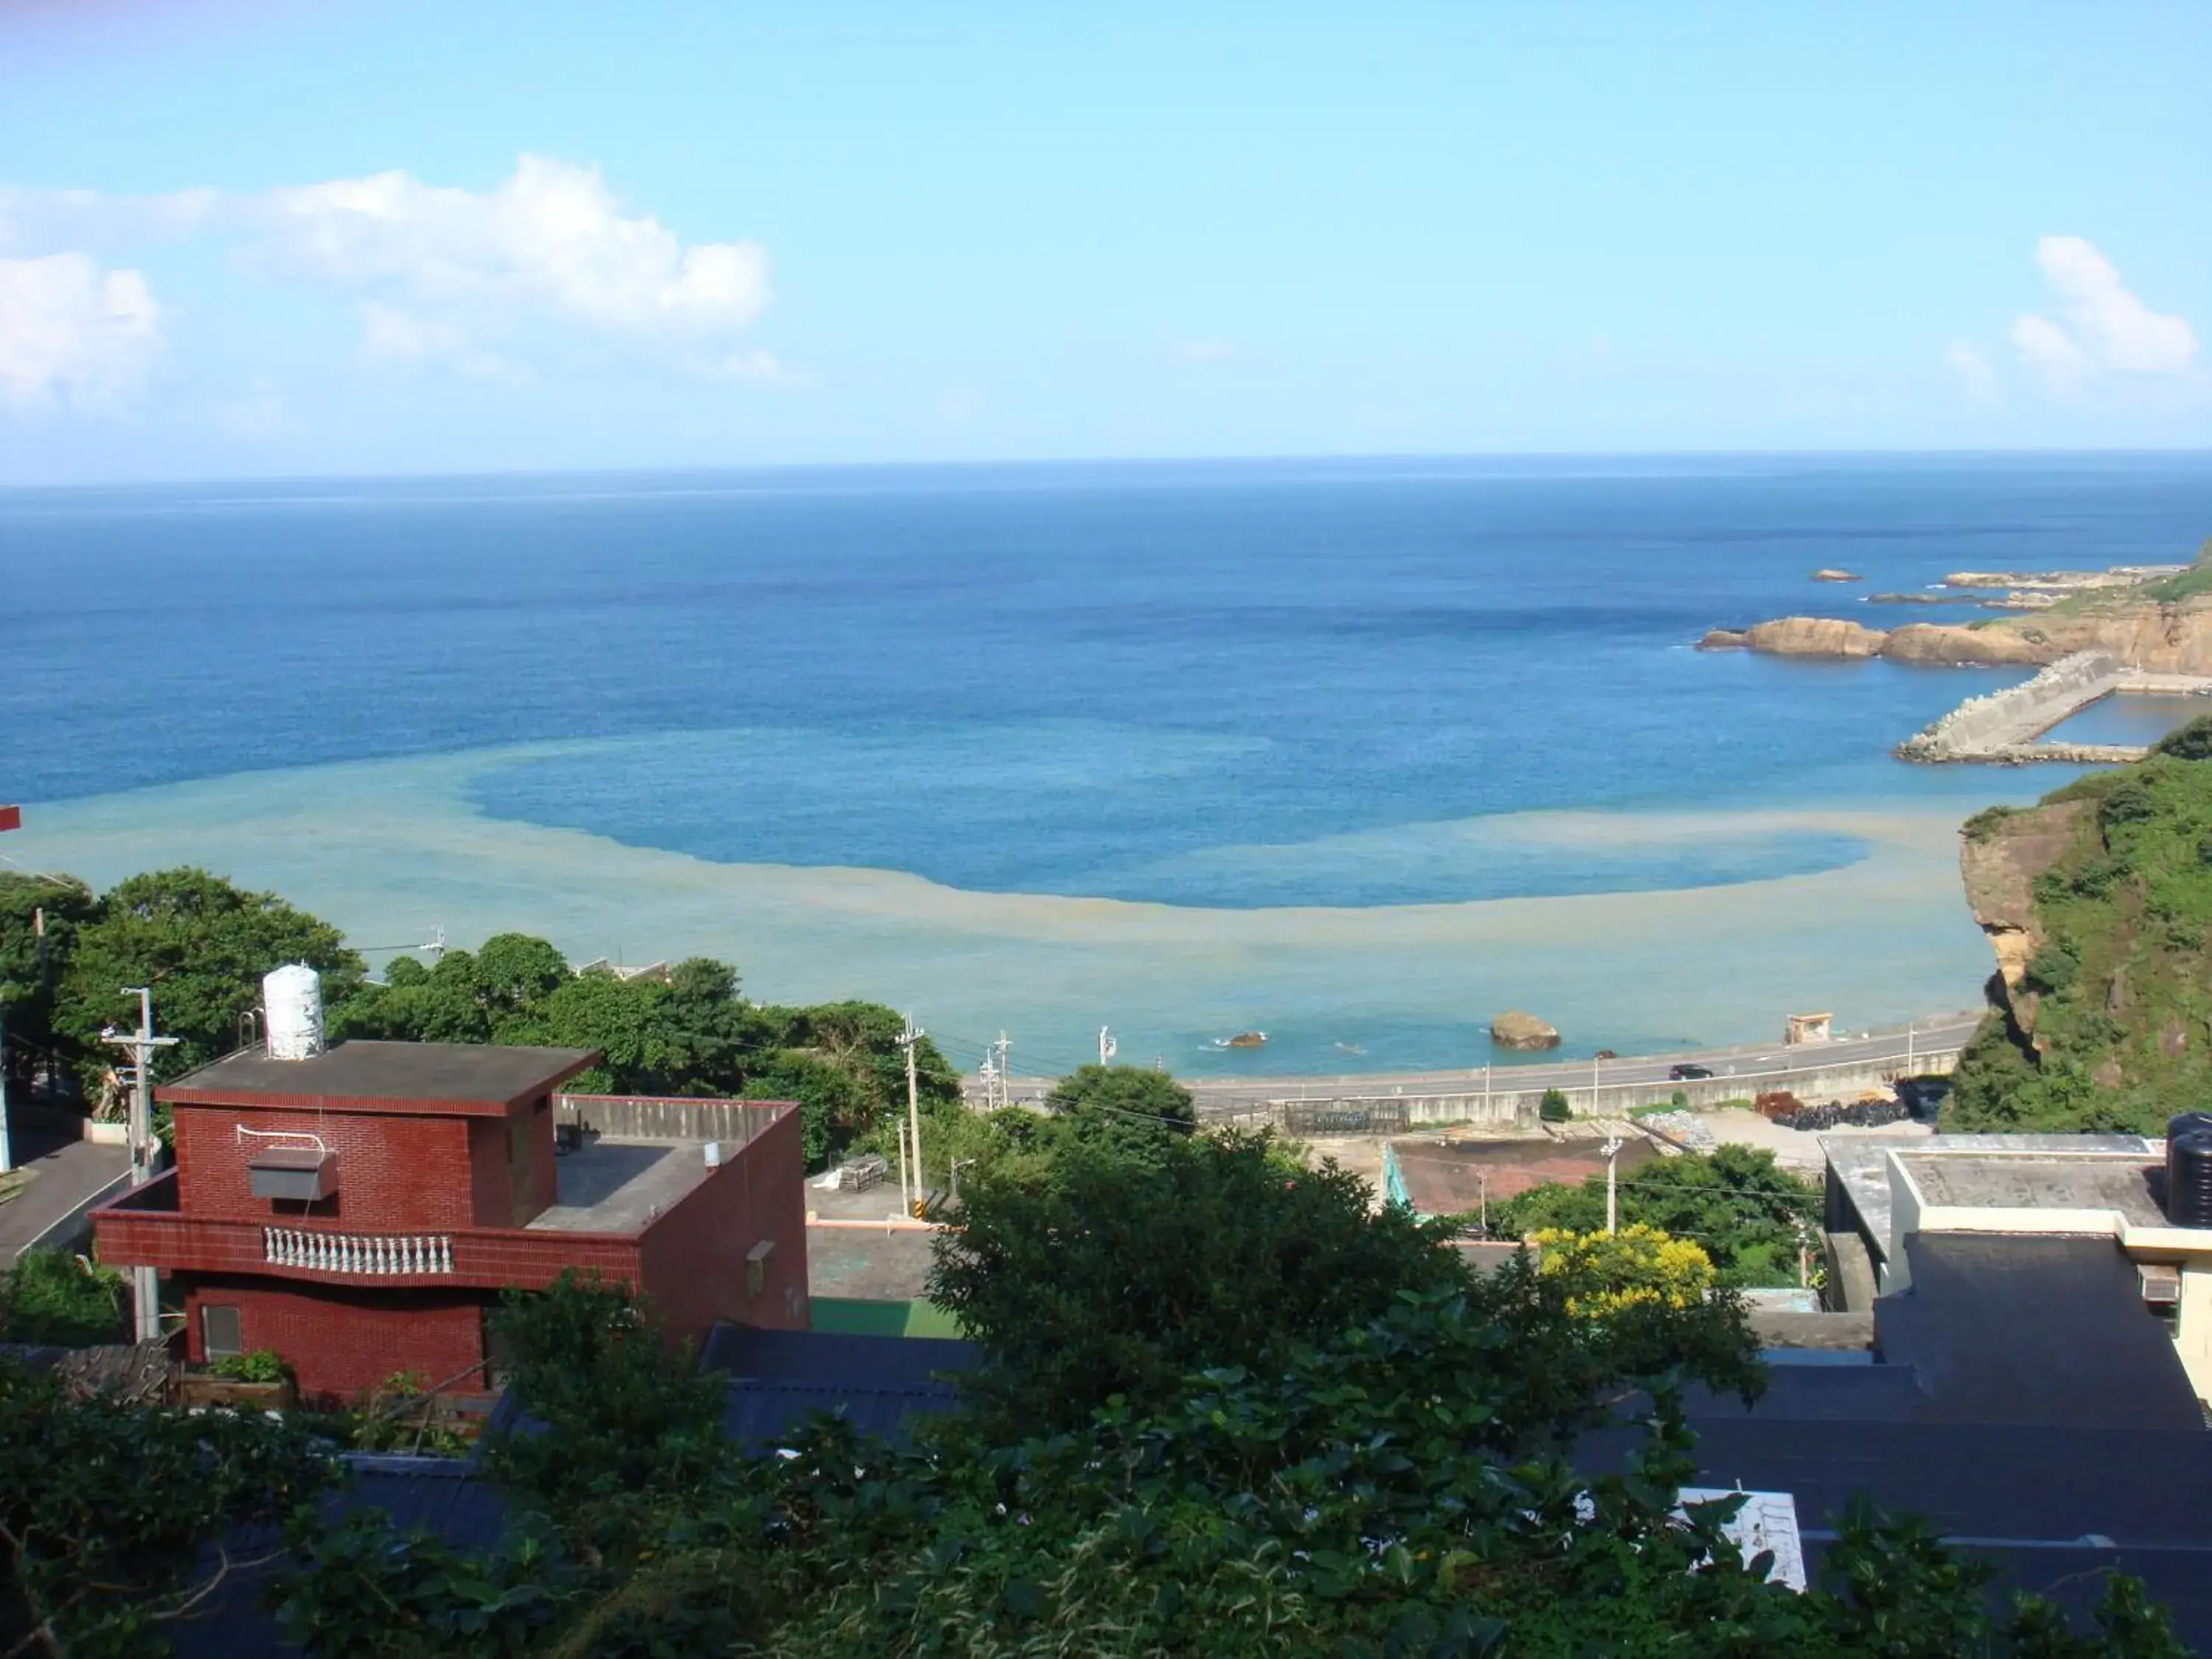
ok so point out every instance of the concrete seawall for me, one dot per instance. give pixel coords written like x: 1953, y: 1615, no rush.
x: 2005, y: 727
x: 1312, y: 1113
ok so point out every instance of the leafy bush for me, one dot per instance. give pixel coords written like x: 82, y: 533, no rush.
x: 1748, y: 1214
x: 1553, y: 1107
x: 112, y: 1512
x: 56, y: 1297
x: 1605, y: 1272
x: 1114, y: 1275
x: 2192, y: 742
x: 262, y: 1365
x: 613, y: 1415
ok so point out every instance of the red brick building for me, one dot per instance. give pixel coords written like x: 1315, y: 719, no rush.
x: 359, y: 1210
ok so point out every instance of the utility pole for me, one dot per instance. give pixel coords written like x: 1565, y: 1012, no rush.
x: 1612, y: 1150
x: 7, y: 1150
x: 907, y: 1040
x: 145, y: 1288
x: 11, y: 817
x: 1908, y: 1048
x: 999, y: 1052
x: 1107, y: 1047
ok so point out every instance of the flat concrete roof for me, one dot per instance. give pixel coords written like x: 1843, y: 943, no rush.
x: 1860, y: 1164
x: 2049, y: 1181
x: 364, y: 1076
x: 610, y: 1186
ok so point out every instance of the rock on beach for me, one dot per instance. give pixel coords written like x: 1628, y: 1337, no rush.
x: 1515, y: 1030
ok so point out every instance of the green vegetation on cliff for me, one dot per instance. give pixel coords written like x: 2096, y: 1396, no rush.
x: 2099, y: 903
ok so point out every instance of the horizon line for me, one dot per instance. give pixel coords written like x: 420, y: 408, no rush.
x: 972, y: 464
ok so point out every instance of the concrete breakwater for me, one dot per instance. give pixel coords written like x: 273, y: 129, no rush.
x: 1981, y: 727
x: 2004, y: 726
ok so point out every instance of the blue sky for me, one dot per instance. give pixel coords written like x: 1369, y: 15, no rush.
x: 259, y: 236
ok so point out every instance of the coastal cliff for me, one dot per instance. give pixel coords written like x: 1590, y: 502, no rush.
x: 2097, y: 904
x: 2162, y: 626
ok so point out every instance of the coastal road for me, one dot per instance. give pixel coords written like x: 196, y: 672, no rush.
x: 1939, y: 1034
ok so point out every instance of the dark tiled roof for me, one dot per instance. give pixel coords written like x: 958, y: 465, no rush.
x: 877, y: 1383
x: 834, y: 1357
x: 2005, y: 1328
x: 485, y: 1073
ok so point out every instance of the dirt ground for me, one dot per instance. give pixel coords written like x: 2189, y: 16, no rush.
x: 1793, y: 1149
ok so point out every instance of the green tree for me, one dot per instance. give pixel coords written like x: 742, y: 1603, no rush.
x: 1129, y: 1108
x: 836, y: 1107
x: 1746, y: 1212
x: 616, y: 1419
x: 1401, y: 1487
x: 202, y: 945
x: 57, y: 1297
x: 114, y: 1518
x: 40, y: 916
x: 1118, y: 1274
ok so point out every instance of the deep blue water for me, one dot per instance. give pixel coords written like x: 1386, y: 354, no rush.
x: 1106, y: 680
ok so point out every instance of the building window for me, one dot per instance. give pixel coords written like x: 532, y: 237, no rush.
x: 219, y: 1333
x: 498, y: 1352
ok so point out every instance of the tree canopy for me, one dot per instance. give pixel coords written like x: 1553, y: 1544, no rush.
x: 202, y: 945
x: 1748, y: 1215
x: 1376, y: 1461
x: 40, y: 916
x: 1098, y: 1273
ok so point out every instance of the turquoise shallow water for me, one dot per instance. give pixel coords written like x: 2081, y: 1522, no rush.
x: 1173, y: 701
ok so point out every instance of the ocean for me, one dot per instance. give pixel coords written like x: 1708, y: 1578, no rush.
x: 1355, y: 753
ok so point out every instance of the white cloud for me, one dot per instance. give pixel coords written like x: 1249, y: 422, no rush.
x: 391, y: 335
x: 87, y: 219
x: 1205, y: 351
x: 550, y: 241
x: 1972, y: 367
x: 2101, y: 328
x: 2050, y: 354
x: 71, y: 330
x: 445, y: 274
x: 755, y: 365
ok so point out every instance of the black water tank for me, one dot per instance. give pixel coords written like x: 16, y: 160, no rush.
x: 2178, y: 1126
x: 2189, y: 1179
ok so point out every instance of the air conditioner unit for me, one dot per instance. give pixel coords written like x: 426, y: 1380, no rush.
x: 298, y: 1174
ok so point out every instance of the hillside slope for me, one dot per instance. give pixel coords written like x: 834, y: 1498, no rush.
x: 2098, y: 903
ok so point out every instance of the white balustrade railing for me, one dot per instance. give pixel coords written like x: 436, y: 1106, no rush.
x: 355, y: 1252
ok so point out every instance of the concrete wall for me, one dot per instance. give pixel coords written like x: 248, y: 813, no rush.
x: 1506, y: 1108
x: 693, y: 1261
x: 650, y: 1117
x: 2019, y: 713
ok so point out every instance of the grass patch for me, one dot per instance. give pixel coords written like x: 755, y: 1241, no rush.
x: 853, y: 1315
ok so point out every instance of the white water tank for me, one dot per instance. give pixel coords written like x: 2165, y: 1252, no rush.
x: 292, y: 1002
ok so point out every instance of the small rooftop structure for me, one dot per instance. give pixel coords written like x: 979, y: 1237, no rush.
x: 448, y: 1078
x: 1807, y: 1028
